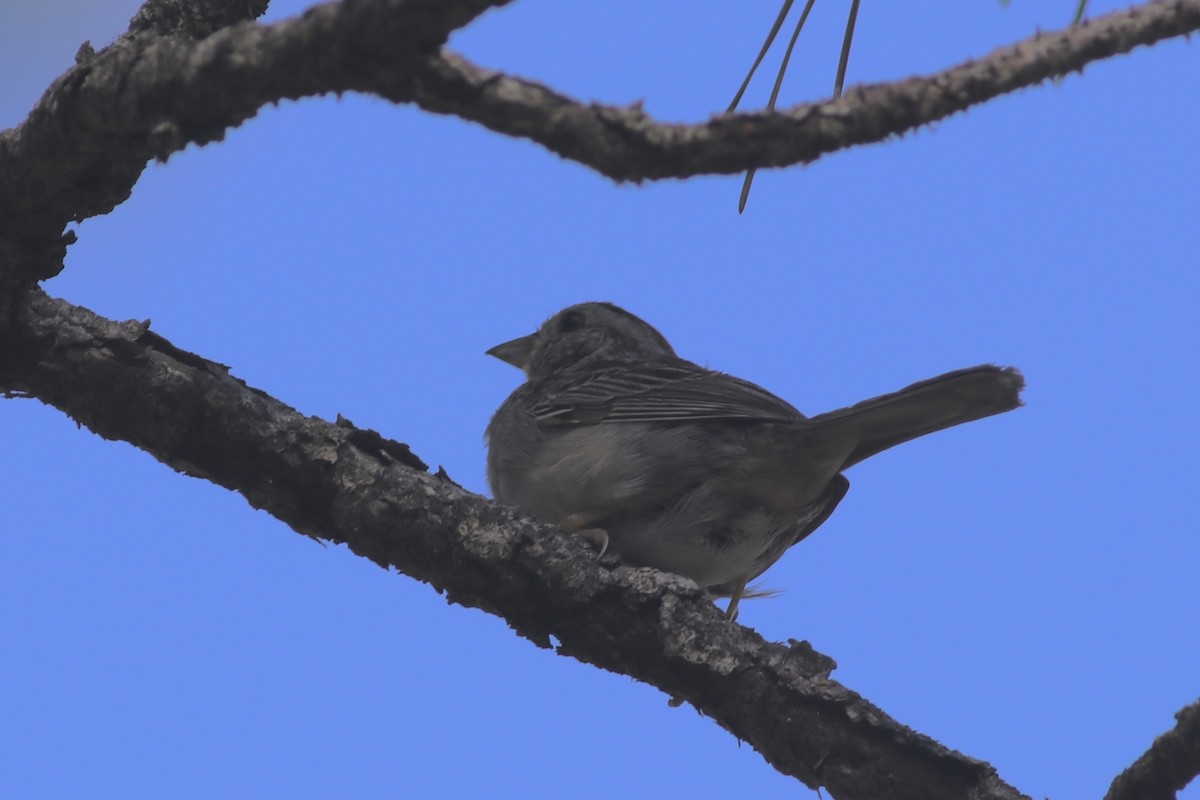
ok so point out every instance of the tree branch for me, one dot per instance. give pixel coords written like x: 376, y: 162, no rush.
x: 55, y: 168
x: 86, y: 142
x: 347, y: 485
x: 626, y: 144
x: 1171, y: 763
x: 146, y: 96
x: 193, y: 19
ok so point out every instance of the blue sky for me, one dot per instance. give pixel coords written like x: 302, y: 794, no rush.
x: 1023, y: 589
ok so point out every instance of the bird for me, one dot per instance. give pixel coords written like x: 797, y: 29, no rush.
x: 671, y: 465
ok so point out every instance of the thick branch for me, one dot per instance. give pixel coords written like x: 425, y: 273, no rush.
x: 86, y: 142
x: 1171, y: 763
x: 56, y: 168
x: 343, y: 484
x: 193, y: 19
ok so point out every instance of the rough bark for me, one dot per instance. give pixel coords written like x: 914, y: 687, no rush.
x: 1171, y: 763
x: 177, y: 78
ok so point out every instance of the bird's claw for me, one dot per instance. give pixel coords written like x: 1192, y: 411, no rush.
x: 731, y: 610
x: 597, y: 537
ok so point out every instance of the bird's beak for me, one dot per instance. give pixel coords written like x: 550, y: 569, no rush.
x: 515, y: 352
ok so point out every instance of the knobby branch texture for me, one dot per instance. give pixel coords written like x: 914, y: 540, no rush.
x: 342, y: 484
x: 188, y: 70
x: 176, y: 78
x: 1170, y: 764
x: 179, y: 77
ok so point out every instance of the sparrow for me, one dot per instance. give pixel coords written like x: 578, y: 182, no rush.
x: 674, y: 466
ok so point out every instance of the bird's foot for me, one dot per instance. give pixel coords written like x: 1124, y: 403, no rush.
x: 731, y: 610
x: 597, y: 537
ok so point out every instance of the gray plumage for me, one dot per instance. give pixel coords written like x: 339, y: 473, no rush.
x: 685, y: 469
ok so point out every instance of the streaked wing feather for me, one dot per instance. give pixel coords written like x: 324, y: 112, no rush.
x: 659, y: 391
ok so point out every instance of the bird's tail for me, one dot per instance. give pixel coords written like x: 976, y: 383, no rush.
x: 932, y: 405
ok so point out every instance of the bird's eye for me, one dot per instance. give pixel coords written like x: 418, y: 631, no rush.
x: 571, y: 321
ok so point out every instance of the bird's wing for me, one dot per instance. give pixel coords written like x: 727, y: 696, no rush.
x: 658, y: 391
x: 818, y: 512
